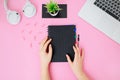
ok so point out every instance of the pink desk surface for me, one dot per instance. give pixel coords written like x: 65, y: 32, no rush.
x: 19, y: 46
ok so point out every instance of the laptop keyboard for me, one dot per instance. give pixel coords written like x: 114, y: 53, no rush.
x: 112, y: 7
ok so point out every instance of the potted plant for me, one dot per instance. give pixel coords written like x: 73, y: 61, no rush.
x: 52, y: 8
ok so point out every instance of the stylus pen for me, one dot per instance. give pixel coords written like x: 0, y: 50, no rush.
x: 78, y: 39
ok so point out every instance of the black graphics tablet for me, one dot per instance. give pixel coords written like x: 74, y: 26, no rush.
x: 63, y: 39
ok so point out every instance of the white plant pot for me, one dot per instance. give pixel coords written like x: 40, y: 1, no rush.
x: 54, y: 14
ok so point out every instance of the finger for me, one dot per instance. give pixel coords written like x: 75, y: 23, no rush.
x: 76, y: 53
x: 77, y: 43
x: 83, y: 53
x: 50, y: 50
x: 43, y: 42
x: 77, y: 48
x: 68, y: 59
x: 79, y: 53
x: 46, y: 44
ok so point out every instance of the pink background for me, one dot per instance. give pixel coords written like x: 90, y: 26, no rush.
x: 19, y: 46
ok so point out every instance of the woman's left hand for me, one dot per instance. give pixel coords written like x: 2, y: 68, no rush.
x: 45, y: 52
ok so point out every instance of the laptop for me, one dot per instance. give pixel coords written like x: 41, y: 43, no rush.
x: 104, y: 15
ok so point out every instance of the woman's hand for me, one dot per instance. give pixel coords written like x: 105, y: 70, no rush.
x: 45, y: 58
x: 77, y: 64
x: 45, y: 52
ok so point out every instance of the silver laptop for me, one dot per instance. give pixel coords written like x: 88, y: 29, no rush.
x: 104, y: 15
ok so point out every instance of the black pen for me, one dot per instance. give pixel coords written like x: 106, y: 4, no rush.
x: 78, y: 39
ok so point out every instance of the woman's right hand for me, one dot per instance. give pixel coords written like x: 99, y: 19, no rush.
x: 77, y: 64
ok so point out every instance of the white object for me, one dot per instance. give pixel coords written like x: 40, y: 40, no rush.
x: 101, y: 20
x: 14, y: 17
x: 54, y: 14
x: 29, y: 9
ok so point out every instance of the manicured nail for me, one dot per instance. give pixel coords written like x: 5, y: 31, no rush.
x: 75, y: 42
x: 66, y: 55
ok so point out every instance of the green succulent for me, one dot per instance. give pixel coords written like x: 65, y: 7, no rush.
x: 52, y: 7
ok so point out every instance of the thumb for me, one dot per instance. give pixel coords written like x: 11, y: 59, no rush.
x: 69, y: 60
x: 50, y: 50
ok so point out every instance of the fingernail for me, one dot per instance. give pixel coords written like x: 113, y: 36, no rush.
x: 75, y: 42
x: 66, y: 55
